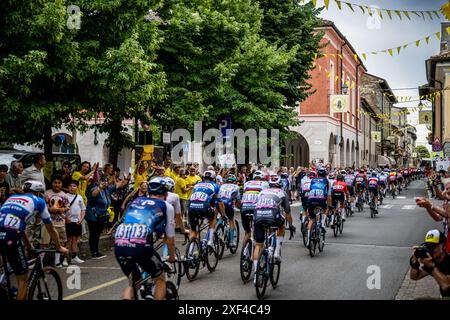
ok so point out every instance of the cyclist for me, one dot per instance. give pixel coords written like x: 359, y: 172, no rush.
x: 230, y: 195
x: 285, y: 184
x: 332, y: 178
x: 400, y: 180
x: 14, y: 214
x: 339, y: 193
x: 384, y: 176
x: 374, y: 185
x: 349, y: 179
x: 174, y: 200
x: 134, y: 237
x: 250, y: 197
x: 392, y: 180
x: 406, y: 175
x: 272, y: 210
x: 319, y: 196
x: 360, y: 183
x: 305, y: 187
x: 204, y: 202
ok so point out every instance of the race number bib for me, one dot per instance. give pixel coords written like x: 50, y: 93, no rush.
x: 199, y: 196
x: 12, y: 222
x: 225, y: 194
x: 249, y: 198
x: 132, y: 233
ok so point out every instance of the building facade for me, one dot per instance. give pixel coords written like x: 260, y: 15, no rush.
x: 331, y: 137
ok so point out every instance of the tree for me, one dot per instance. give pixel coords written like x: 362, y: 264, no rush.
x: 39, y: 68
x: 121, y: 79
x: 288, y: 24
x: 423, y: 151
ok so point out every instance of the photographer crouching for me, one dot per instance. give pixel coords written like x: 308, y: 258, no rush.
x: 431, y: 258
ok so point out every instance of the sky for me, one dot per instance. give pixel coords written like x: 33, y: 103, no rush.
x: 367, y: 34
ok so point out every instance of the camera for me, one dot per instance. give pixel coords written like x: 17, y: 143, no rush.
x: 421, y: 252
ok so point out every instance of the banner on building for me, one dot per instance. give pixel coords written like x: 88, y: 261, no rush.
x: 442, y: 165
x: 376, y: 136
x: 339, y: 103
x: 147, y: 154
x: 425, y: 117
x: 437, y: 155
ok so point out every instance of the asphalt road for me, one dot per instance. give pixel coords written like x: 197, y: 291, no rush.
x: 339, y: 272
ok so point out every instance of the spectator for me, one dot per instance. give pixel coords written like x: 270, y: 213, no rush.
x: 74, y: 219
x: 184, y: 191
x: 432, y: 259
x: 35, y: 172
x: 13, y: 177
x: 140, y: 174
x: 83, y: 176
x: 141, y: 192
x: 191, y: 180
x: 66, y: 173
x: 242, y: 177
x: 119, y: 196
x: 4, y: 186
x: 58, y: 205
x: 97, y: 211
x: 108, y: 172
x: 168, y: 168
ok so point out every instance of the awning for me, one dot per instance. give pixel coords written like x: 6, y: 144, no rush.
x: 383, y: 161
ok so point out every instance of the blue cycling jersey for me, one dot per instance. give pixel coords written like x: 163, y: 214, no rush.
x: 319, y: 189
x: 143, y: 217
x: 20, y: 208
x: 205, y: 192
x: 228, y: 193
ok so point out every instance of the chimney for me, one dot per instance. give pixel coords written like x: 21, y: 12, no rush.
x: 445, y: 37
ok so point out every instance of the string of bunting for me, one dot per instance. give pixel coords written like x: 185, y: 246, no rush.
x: 371, y: 10
x: 362, y: 89
x: 390, y: 51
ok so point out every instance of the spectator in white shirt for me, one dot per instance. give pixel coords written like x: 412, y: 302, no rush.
x: 74, y: 219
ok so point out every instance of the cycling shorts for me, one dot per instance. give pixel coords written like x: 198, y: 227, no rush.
x: 11, y: 247
x: 337, y: 197
x: 313, y: 203
x: 351, y: 190
x: 145, y: 257
x: 246, y: 219
x: 198, y: 211
x: 266, y: 221
x: 304, y: 202
x: 229, y: 211
x: 359, y: 187
x: 374, y: 191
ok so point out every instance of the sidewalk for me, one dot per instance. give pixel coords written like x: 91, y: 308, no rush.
x: 424, y: 289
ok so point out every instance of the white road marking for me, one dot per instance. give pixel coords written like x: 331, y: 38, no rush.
x: 401, y: 197
x: 386, y: 206
x: 409, y: 207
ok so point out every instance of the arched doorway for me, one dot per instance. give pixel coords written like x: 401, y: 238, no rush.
x: 297, y: 152
x: 63, y: 142
x: 331, y: 151
x: 342, y: 155
x: 353, y: 154
x: 347, y: 153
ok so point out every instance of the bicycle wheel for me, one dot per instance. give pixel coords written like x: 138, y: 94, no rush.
x: 246, y: 262
x: 321, y: 236
x: 192, y: 265
x: 341, y: 226
x: 212, y: 256
x: 275, y: 273
x: 372, y: 211
x: 261, y: 276
x: 305, y: 233
x: 220, y: 232
x: 335, y: 226
x: 179, y: 267
x: 46, y: 286
x: 312, y: 242
x: 233, y: 250
x: 171, y: 291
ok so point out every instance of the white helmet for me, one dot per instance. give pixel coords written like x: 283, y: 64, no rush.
x: 274, y: 180
x: 170, y: 183
x: 33, y: 186
x: 209, y: 174
x: 258, y: 174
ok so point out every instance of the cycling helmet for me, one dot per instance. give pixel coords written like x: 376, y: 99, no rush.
x: 284, y: 175
x: 209, y: 174
x: 231, y: 178
x: 158, y: 186
x: 312, y: 174
x: 386, y: 170
x: 361, y: 170
x: 258, y: 174
x: 274, y: 180
x: 170, y: 183
x: 33, y: 186
x: 374, y: 174
x: 332, y: 175
x: 322, y: 172
x: 343, y: 172
x: 340, y: 177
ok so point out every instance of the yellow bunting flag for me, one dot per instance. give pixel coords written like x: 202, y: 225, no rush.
x: 355, y: 56
x: 406, y: 14
x: 427, y: 39
x: 389, y: 12
x: 390, y: 52
x: 379, y: 13
x: 329, y: 74
x: 429, y: 14
x: 350, y: 6
x: 423, y: 14
x: 398, y: 49
x: 405, y: 46
x: 333, y: 55
x: 338, y: 4
x: 362, y: 8
x: 315, y: 56
x: 364, y: 56
x: 445, y: 9
x: 336, y: 79
x: 417, y: 43
x: 399, y: 14
x: 314, y: 2
x: 415, y: 12
x: 369, y: 10
x: 327, y: 3
x: 438, y: 35
x: 448, y: 30
x: 437, y: 14
x: 340, y: 56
